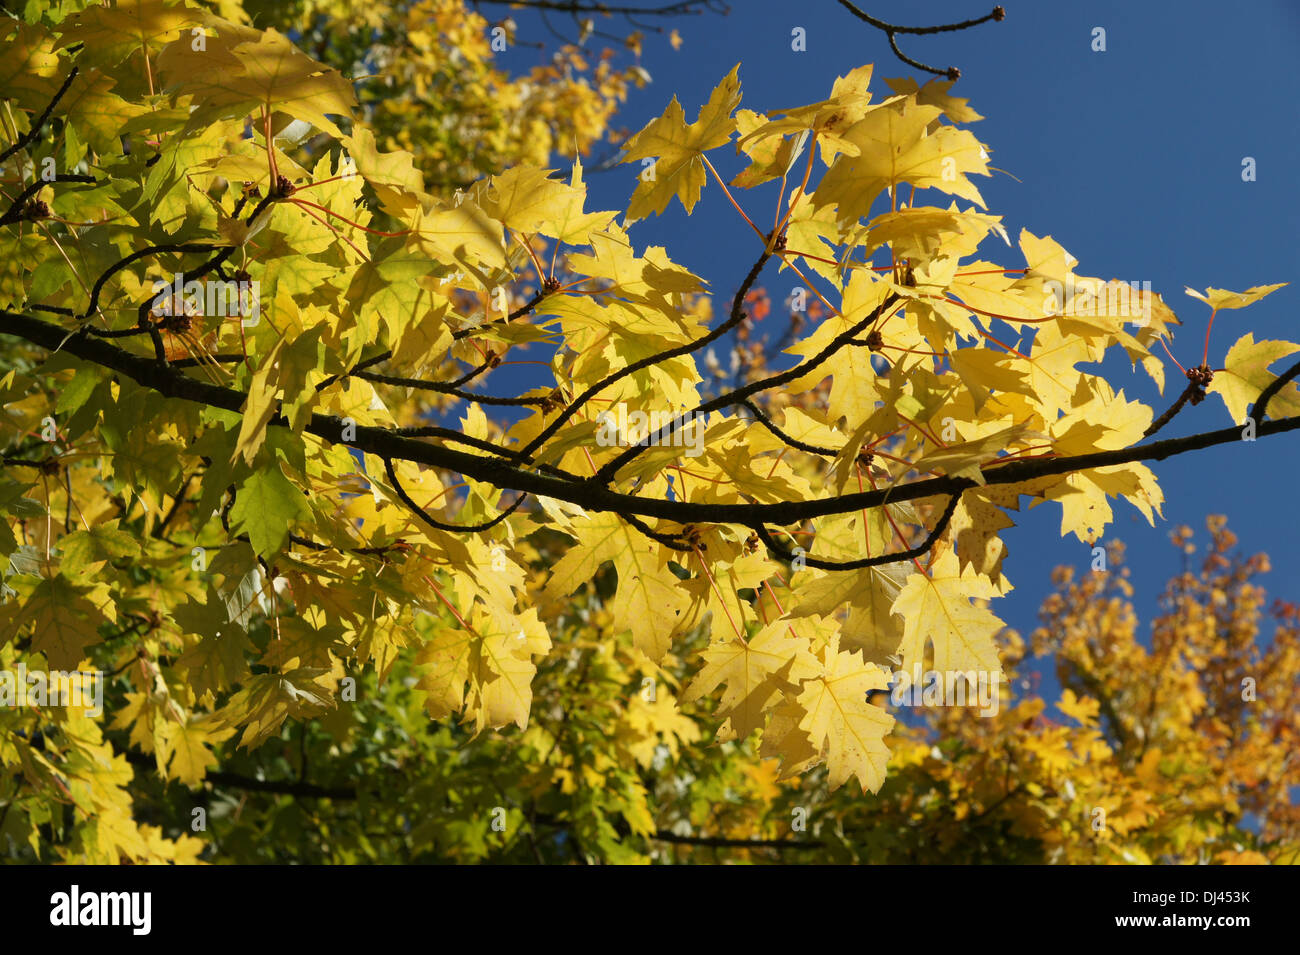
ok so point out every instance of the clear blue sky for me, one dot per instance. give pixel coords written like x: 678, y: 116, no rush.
x: 1131, y: 158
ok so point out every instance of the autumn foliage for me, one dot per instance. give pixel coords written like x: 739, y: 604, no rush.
x: 360, y: 592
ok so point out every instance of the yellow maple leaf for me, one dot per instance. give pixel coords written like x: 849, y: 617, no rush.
x: 649, y: 599
x: 755, y: 672
x: 1084, y: 709
x: 678, y: 169
x: 829, y: 120
x: 398, y: 185
x: 838, y: 718
x: 110, y: 34
x: 785, y: 739
x: 964, y: 458
x: 268, y: 699
x: 894, y: 149
x: 261, y: 406
x: 1218, y: 298
x: 30, y: 72
x: 525, y: 198
x: 1245, y: 374
x: 486, y: 670
x: 937, y: 608
x: 1085, y: 510
x: 935, y: 93
x: 976, y: 534
x: 235, y: 75
x: 183, y: 748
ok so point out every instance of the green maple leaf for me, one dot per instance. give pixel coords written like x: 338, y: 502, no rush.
x: 103, y: 542
x: 270, y: 698
x: 63, y: 619
x: 265, y: 505
x: 217, y: 661
x: 390, y: 287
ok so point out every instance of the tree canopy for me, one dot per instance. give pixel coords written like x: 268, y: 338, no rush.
x: 267, y: 270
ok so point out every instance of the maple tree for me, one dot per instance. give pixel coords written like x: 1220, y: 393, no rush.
x: 292, y: 536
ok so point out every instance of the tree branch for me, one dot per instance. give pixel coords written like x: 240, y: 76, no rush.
x: 610, y: 468
x: 1265, y: 396
x: 891, y: 30
x: 303, y: 790
x: 17, y: 210
x: 715, y: 842
x: 386, y: 443
x: 423, y: 514
x: 735, y: 318
x: 306, y: 790
x: 761, y: 416
x: 1190, y: 393
x: 877, y: 561
x: 447, y: 388
x: 30, y: 136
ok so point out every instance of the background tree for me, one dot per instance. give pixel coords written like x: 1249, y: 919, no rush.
x: 433, y: 89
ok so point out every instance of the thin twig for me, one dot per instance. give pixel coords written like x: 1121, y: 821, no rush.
x: 30, y: 136
x: 893, y: 558
x: 440, y: 525
x: 891, y: 30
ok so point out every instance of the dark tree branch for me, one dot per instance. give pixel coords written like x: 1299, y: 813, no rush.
x: 177, y: 501
x: 715, y: 842
x: 877, y: 561
x: 302, y: 789
x: 1189, y: 393
x: 549, y: 287
x: 449, y: 434
x: 432, y: 522
x: 610, y: 468
x: 891, y: 30
x: 671, y: 541
x: 448, y: 389
x: 1261, y: 404
x: 317, y: 546
x: 735, y: 318
x: 368, y: 363
x: 14, y: 462
x: 17, y: 210
x: 383, y: 356
x: 951, y: 72
x: 488, y: 363
x: 30, y: 136
x: 385, y: 443
x: 123, y: 263
x: 221, y: 358
x: 52, y: 309
x: 790, y: 440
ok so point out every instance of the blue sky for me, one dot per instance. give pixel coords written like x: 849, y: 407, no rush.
x: 1130, y: 158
